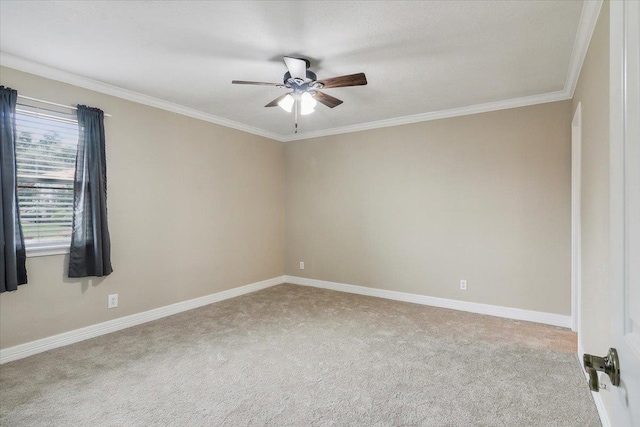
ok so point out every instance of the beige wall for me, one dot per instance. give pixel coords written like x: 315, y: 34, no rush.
x: 416, y: 208
x: 194, y: 208
x: 197, y: 208
x: 593, y: 93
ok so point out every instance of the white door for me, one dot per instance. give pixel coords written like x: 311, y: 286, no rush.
x: 625, y: 209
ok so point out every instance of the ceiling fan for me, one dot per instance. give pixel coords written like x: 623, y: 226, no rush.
x: 306, y: 88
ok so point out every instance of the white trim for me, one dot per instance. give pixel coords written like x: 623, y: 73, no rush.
x: 580, y: 352
x: 435, y: 115
x: 86, y: 83
x: 47, y: 250
x: 71, y: 337
x: 597, y: 397
x: 576, y: 217
x: 94, y: 85
x: 586, y: 26
x: 491, y: 310
x: 588, y: 19
x: 602, y: 412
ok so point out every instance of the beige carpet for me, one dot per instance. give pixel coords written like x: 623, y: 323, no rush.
x: 297, y: 356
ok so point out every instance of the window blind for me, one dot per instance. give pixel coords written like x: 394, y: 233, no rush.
x: 46, y: 146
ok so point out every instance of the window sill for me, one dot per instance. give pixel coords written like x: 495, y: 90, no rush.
x: 47, y: 251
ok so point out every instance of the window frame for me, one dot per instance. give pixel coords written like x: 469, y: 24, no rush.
x: 25, y: 109
x: 39, y: 251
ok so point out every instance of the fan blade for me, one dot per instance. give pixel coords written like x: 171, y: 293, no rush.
x: 351, y: 80
x: 275, y: 101
x: 297, y: 67
x: 327, y: 100
x: 243, y: 82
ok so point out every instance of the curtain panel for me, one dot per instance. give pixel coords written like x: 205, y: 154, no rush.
x: 90, y: 253
x: 13, y: 255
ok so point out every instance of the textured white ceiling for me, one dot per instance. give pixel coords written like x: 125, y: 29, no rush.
x: 419, y: 57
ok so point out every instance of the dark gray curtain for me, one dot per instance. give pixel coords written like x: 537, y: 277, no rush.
x: 90, y: 253
x: 12, y: 258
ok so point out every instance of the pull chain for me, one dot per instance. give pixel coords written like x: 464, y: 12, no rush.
x: 296, y: 116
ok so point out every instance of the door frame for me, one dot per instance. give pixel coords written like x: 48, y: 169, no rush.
x: 576, y: 219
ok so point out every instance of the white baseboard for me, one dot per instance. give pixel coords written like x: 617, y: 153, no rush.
x: 580, y: 351
x: 597, y: 397
x: 66, y: 338
x: 604, y: 418
x: 491, y: 310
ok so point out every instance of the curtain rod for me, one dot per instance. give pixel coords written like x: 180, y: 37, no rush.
x: 53, y: 103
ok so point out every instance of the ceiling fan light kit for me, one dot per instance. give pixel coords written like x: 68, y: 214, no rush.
x: 307, y: 103
x: 304, y: 85
x: 286, y: 103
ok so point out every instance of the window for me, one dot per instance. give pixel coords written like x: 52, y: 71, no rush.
x: 46, y: 146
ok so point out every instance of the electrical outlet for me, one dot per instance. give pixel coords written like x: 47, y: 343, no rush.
x: 301, y: 265
x: 463, y: 285
x: 112, y: 301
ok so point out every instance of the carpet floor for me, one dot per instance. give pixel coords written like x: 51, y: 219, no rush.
x: 298, y: 356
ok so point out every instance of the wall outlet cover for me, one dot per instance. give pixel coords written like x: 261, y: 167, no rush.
x: 112, y: 301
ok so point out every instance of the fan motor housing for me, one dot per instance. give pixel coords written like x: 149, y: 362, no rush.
x: 297, y: 84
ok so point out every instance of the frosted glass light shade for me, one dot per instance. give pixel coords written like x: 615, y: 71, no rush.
x: 287, y: 103
x: 307, y: 104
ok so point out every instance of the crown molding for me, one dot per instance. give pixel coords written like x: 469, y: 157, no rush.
x: 52, y: 73
x: 586, y: 26
x: 436, y: 115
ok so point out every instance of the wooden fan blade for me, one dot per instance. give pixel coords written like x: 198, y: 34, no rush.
x: 243, y: 82
x: 351, y: 80
x: 297, y: 67
x: 327, y: 100
x: 275, y: 101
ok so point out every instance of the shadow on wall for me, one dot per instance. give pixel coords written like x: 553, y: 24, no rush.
x: 84, y: 282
